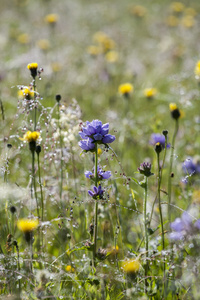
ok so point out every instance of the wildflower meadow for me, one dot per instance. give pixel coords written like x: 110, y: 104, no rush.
x: 100, y: 150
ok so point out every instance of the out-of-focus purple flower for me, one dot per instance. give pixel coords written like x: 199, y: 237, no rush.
x: 97, y: 192
x: 183, y: 227
x: 190, y: 167
x: 101, y: 174
x: 95, y: 132
x: 145, y: 169
x: 158, y: 138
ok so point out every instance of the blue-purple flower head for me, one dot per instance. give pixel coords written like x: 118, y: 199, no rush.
x: 95, y: 132
x: 183, y: 227
x: 158, y: 138
x: 145, y: 169
x: 98, y: 192
x: 100, y: 173
x: 191, y: 167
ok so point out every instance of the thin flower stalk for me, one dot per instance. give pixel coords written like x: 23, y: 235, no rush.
x: 159, y: 201
x: 146, y: 232
x: 40, y: 184
x: 33, y: 183
x: 96, y: 203
x: 61, y: 160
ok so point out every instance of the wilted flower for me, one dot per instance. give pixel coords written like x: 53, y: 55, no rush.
x: 98, y: 192
x: 33, y: 69
x: 145, y: 169
x: 101, y: 174
x: 158, y: 138
x: 182, y: 227
x: 125, y: 89
x: 150, y: 93
x: 95, y: 132
x: 131, y: 266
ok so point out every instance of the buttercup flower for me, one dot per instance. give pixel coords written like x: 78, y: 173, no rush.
x: 150, y: 93
x: 23, y: 38
x: 94, y: 50
x: 125, y: 89
x: 131, y: 266
x: 30, y: 136
x: 158, y: 138
x: 97, y: 192
x: 101, y: 174
x: 95, y: 132
x: 172, y: 21
x: 33, y: 69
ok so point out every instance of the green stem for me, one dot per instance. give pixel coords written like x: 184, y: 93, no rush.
x: 159, y: 202
x: 41, y: 192
x: 61, y: 161
x: 35, y: 114
x: 146, y: 232
x: 170, y: 170
x: 96, y: 205
x: 33, y: 183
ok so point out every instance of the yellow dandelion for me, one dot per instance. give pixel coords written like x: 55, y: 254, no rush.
x: 43, y: 44
x: 125, y: 89
x: 188, y: 21
x: 172, y: 21
x: 176, y: 113
x: 27, y: 225
x: 23, y: 38
x: 197, y: 69
x: 26, y: 93
x: 138, y: 11
x: 94, y: 50
x: 150, y: 92
x: 177, y: 7
x: 51, y: 18
x: 30, y: 136
x: 131, y: 266
x: 33, y: 69
x: 112, y: 56
x: 69, y: 269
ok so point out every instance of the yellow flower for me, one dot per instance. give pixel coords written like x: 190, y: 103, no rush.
x: 51, y: 18
x: 176, y: 113
x: 190, y: 11
x: 100, y: 37
x: 112, y: 56
x: 188, y: 21
x: 104, y: 41
x: 177, y: 7
x: 23, y: 38
x: 197, y: 68
x: 150, y: 92
x: 69, y: 269
x: 99, y: 151
x: 26, y: 93
x: 33, y: 69
x: 30, y: 136
x: 27, y: 225
x: 43, y: 44
x: 172, y: 21
x: 125, y: 89
x: 138, y: 10
x: 94, y: 50
x: 56, y: 66
x: 131, y: 266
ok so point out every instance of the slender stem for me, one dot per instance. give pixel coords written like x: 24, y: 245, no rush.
x: 33, y: 183
x: 170, y: 170
x: 146, y: 231
x: 96, y: 204
x: 35, y: 116
x: 61, y: 161
x: 159, y: 203
x: 41, y: 192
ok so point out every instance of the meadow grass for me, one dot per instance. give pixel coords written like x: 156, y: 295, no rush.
x: 88, y: 210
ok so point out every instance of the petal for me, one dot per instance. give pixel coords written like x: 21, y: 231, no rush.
x: 88, y: 174
x: 105, y: 129
x: 177, y: 236
x: 91, y: 193
x: 177, y: 225
x: 97, y: 137
x: 108, y: 138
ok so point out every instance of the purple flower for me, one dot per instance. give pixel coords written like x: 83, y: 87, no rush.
x: 95, y: 132
x: 190, y: 167
x: 101, y: 174
x: 158, y: 138
x: 182, y: 227
x: 97, y: 192
x: 145, y: 169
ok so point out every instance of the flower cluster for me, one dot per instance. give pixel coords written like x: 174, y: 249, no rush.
x: 95, y: 132
x: 183, y: 227
x: 100, y: 173
x: 98, y: 192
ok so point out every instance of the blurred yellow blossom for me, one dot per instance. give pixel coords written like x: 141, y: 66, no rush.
x: 26, y: 93
x: 125, y: 89
x: 104, y: 41
x: 190, y: 11
x: 112, y: 56
x: 172, y: 21
x: 30, y: 136
x: 27, y: 225
x: 23, y: 38
x: 56, y: 66
x: 131, y: 266
x: 43, y: 44
x: 69, y: 268
x: 150, y: 92
x: 197, y: 69
x: 138, y: 10
x: 177, y: 7
x: 99, y: 151
x: 94, y: 50
x: 175, y: 111
x: 51, y: 18
x: 188, y: 21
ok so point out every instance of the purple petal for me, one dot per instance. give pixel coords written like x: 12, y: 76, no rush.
x: 88, y: 174
x: 98, y: 137
x: 177, y: 225
x: 91, y: 193
x: 86, y: 145
x: 95, y: 190
x: 105, y: 175
x: 105, y: 129
x: 177, y: 236
x: 108, y: 138
x: 197, y: 224
x: 187, y: 220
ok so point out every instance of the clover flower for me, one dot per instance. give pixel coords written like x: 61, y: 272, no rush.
x: 175, y: 111
x: 95, y: 132
x: 101, y: 174
x: 33, y: 69
x: 158, y: 138
x: 125, y: 89
x: 145, y: 169
x: 183, y: 227
x: 98, y: 192
x: 30, y: 136
x: 150, y: 93
x: 131, y: 266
